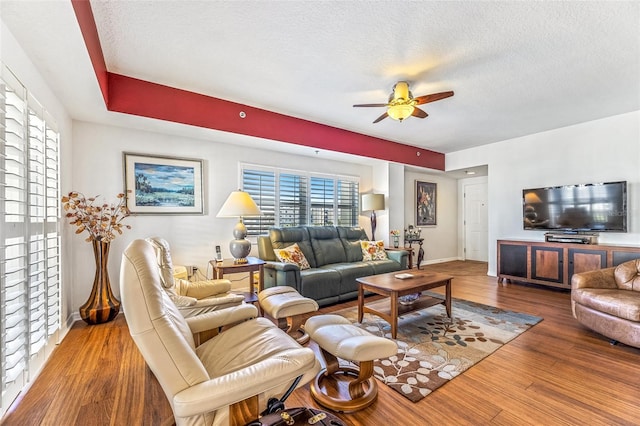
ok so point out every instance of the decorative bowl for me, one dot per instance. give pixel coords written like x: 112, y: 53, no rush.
x: 409, y: 299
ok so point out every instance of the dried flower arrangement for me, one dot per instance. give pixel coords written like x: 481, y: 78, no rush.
x: 102, y: 222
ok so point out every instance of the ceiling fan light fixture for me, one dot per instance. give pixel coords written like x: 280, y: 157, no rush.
x: 401, y: 91
x: 402, y: 104
x: 400, y: 112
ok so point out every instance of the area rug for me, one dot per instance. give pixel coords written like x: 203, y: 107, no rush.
x: 433, y: 349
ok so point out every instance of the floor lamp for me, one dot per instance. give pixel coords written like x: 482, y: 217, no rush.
x: 373, y: 202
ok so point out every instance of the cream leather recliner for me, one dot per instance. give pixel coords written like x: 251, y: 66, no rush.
x: 191, y: 297
x: 227, y: 380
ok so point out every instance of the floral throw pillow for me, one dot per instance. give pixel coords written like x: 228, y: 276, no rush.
x: 292, y: 254
x: 373, y: 250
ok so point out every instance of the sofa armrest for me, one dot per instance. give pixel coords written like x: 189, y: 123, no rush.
x: 280, y: 273
x: 400, y: 256
x: 600, y: 278
x: 282, y: 266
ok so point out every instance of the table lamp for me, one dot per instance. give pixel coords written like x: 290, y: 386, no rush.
x: 239, y: 204
x: 373, y: 202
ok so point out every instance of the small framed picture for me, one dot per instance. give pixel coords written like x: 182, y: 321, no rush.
x: 163, y: 185
x: 426, y: 203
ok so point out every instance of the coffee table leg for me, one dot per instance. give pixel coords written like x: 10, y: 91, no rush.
x: 447, y: 298
x: 360, y: 302
x: 394, y: 314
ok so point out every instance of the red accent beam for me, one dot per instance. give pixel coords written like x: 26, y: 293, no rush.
x: 138, y: 97
x: 87, y: 23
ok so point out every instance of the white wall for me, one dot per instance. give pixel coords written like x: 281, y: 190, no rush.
x: 397, y: 203
x: 440, y: 241
x: 98, y: 157
x: 597, y: 151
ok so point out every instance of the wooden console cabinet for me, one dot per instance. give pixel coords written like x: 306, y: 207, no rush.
x: 553, y: 264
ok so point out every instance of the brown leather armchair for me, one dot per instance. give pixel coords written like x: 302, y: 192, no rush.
x: 608, y: 301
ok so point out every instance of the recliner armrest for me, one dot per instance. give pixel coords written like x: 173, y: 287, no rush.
x: 202, y: 289
x: 222, y: 317
x: 600, y: 278
x: 271, y: 373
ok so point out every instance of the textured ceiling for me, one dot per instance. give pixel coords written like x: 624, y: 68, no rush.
x: 516, y: 68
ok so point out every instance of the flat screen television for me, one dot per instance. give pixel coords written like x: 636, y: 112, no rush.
x: 596, y: 207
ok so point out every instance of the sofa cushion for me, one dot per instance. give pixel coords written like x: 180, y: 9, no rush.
x: 373, y: 250
x: 627, y: 275
x: 283, y: 237
x: 349, y: 272
x: 327, y: 246
x: 619, y: 303
x: 292, y: 254
x: 351, y: 237
x: 320, y: 284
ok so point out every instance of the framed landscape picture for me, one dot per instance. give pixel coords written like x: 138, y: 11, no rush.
x: 426, y: 203
x: 163, y: 185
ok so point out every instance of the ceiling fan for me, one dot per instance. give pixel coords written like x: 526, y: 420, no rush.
x: 402, y: 104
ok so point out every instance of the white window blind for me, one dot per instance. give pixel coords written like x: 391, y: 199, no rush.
x: 292, y: 198
x: 29, y: 236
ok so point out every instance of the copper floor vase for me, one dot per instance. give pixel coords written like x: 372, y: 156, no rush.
x: 102, y: 306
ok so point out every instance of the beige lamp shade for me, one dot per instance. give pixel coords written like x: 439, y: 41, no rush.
x: 239, y: 204
x: 371, y: 202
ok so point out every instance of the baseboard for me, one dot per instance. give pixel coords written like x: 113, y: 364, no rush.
x: 445, y: 259
x: 72, y: 319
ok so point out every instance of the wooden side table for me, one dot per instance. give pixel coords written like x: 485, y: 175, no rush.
x: 410, y: 242
x: 228, y: 266
x: 407, y: 249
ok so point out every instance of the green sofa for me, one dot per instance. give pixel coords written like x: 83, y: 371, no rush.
x: 335, y: 257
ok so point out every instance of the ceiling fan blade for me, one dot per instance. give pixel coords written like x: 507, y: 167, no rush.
x: 417, y: 112
x: 382, y: 117
x: 432, y: 98
x: 370, y: 105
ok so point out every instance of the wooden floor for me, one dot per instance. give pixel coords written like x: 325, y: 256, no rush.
x: 557, y: 373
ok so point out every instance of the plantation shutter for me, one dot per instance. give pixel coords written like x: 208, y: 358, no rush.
x: 292, y: 200
x: 261, y: 185
x: 322, y: 201
x: 29, y: 236
x: 348, y: 206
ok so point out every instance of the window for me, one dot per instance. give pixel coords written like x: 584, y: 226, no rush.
x: 29, y: 236
x: 292, y: 198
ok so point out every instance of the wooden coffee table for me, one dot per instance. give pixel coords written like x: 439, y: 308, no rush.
x: 393, y: 288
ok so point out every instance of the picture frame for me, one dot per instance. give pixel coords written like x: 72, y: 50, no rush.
x: 426, y: 197
x: 163, y: 185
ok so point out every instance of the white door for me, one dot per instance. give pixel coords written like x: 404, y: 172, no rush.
x: 475, y: 222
